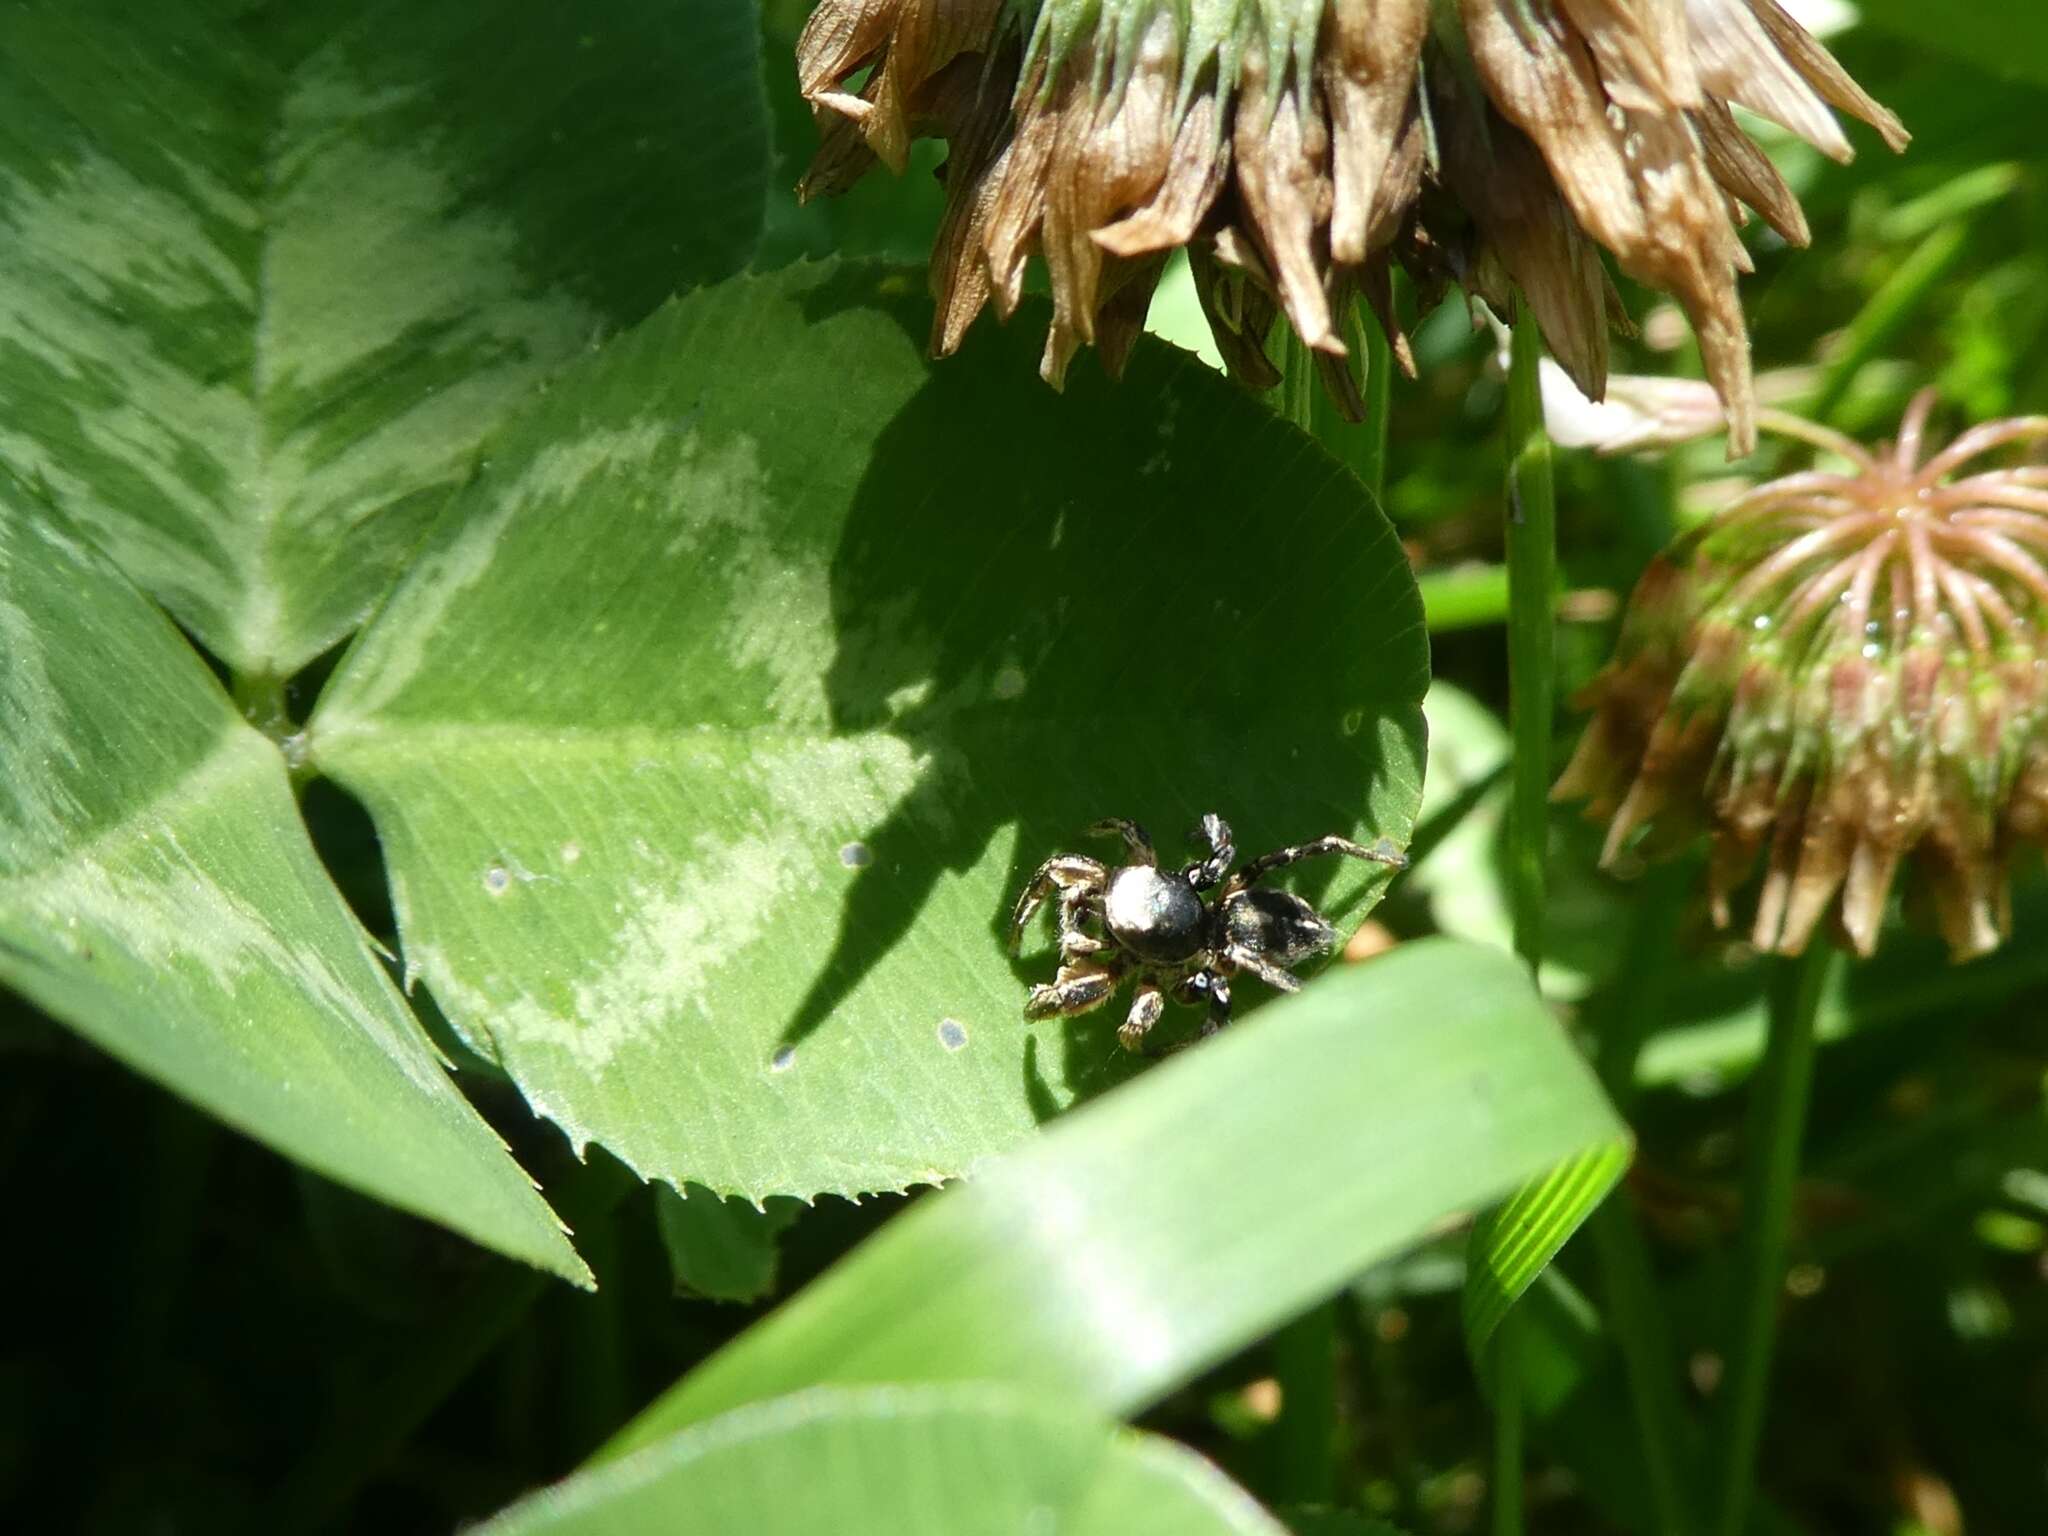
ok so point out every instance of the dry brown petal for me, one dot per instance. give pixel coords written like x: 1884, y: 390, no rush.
x: 1238, y: 306
x: 1107, y: 156
x: 1746, y: 171
x: 842, y: 158
x: 1692, y: 253
x: 1541, y: 79
x: 1018, y: 206
x: 840, y: 37
x: 1872, y: 869
x: 1376, y: 286
x: 1739, y: 61
x: 1972, y: 904
x: 1834, y: 83
x: 1500, y: 179
x: 960, y: 280
x: 1369, y: 57
x: 1641, y: 48
x: 1196, y: 170
x: 1121, y: 320
x: 1281, y: 147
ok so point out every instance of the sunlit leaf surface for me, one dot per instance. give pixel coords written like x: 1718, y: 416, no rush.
x: 714, y: 731
x: 159, y: 895
x: 273, y: 270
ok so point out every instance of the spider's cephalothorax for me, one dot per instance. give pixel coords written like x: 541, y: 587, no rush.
x: 1137, y: 920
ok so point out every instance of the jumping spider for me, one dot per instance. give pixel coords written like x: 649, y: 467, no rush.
x: 1137, y: 920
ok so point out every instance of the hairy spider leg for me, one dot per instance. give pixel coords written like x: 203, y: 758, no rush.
x: 1279, y: 858
x: 1146, y: 1007
x: 1272, y: 975
x: 1206, y: 985
x: 1134, y: 836
x: 1219, y: 1003
x: 1075, y: 989
x: 1079, y: 905
x: 1063, y: 872
x: 1214, y: 832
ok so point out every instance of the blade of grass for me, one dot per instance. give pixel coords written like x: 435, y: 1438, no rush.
x: 1777, y: 1125
x: 1148, y: 1234
x: 1886, y: 313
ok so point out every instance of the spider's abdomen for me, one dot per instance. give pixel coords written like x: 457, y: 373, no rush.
x: 1154, y: 915
x: 1276, y: 924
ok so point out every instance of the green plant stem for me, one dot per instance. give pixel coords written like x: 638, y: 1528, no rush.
x: 1634, y: 1313
x: 1305, y: 1351
x: 1531, y: 536
x: 1777, y: 1124
x: 1507, y: 1426
x: 261, y: 699
x: 1305, y: 1434
x: 1532, y: 636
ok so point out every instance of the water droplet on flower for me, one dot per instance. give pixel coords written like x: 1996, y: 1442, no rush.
x: 497, y: 879
x: 952, y: 1034
x: 1354, y: 722
x: 1009, y: 682
x: 855, y: 855
x: 783, y: 1059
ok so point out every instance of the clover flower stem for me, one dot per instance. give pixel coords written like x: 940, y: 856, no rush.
x: 1304, y: 1469
x: 1633, y: 1003
x: 1532, y: 635
x: 1777, y: 1125
x: 1531, y: 536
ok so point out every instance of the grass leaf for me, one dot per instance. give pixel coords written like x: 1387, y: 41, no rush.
x: 1146, y: 1236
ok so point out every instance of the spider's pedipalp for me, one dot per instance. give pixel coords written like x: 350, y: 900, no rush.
x: 1066, y: 873
x: 1136, y: 839
x: 1075, y: 989
x: 1213, y: 832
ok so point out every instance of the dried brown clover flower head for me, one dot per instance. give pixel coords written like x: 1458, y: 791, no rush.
x: 1843, y: 673
x: 1299, y: 148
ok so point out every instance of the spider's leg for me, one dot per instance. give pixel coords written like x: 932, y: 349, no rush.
x: 1076, y: 989
x: 1266, y: 863
x: 1078, y: 908
x: 1219, y: 1004
x: 1134, y: 836
x: 1146, y: 1008
x: 1214, y: 832
x: 1274, y: 976
x: 1064, y: 872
